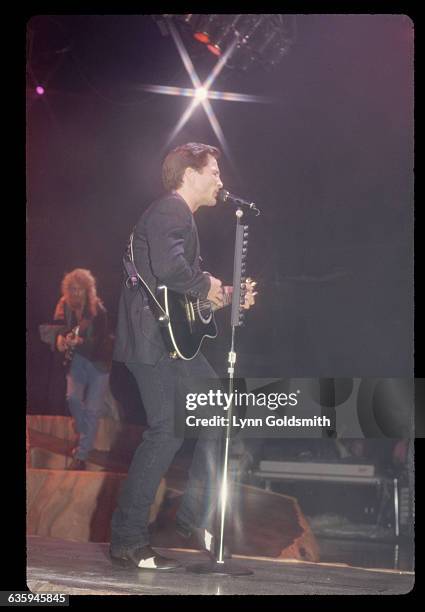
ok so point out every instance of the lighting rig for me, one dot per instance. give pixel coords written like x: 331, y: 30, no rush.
x: 257, y: 39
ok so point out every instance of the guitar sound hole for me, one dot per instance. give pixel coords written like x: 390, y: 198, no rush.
x: 204, y: 312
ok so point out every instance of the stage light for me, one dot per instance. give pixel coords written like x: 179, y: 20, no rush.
x: 260, y: 39
x: 205, y: 27
x: 254, y: 25
x: 40, y: 90
x: 201, y: 93
x: 202, y: 37
x: 225, y: 35
x: 215, y: 49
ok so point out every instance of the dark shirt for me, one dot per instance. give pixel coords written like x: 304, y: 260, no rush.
x: 166, y: 251
x: 94, y: 331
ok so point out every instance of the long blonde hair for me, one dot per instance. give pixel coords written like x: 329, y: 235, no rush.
x: 86, y: 280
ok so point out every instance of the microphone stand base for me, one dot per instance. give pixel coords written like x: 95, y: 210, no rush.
x: 227, y: 568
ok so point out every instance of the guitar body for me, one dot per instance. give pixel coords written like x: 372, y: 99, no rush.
x: 76, y: 332
x: 69, y: 353
x: 190, y: 321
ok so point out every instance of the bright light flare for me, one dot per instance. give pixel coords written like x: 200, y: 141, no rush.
x: 185, y: 56
x: 201, y: 93
x: 184, y: 119
x: 40, y: 90
x: 236, y: 97
x: 170, y: 91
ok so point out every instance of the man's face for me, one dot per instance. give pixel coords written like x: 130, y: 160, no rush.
x: 206, y: 183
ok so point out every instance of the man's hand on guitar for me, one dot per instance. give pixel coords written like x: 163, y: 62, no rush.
x: 64, y: 343
x: 249, y: 293
x: 215, y: 294
x: 61, y: 343
x: 72, y: 340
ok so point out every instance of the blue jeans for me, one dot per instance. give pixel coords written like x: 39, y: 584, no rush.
x: 85, y: 391
x: 161, y: 387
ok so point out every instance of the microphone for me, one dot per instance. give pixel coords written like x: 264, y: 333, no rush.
x: 226, y: 196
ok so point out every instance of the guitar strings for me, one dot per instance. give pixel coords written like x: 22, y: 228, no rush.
x: 227, y: 300
x: 203, y: 303
x: 207, y: 304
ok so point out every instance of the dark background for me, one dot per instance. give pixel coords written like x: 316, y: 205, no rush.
x: 330, y: 164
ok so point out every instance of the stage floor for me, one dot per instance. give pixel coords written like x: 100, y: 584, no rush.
x: 84, y: 568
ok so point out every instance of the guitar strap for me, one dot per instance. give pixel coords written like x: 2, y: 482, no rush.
x: 133, y: 278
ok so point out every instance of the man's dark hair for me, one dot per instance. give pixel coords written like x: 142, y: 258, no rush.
x: 191, y: 155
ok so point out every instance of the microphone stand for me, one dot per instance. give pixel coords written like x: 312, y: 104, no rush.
x: 219, y: 565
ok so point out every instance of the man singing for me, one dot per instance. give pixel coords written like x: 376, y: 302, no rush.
x: 166, y: 251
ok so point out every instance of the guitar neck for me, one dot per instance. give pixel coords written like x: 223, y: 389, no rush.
x: 227, y: 295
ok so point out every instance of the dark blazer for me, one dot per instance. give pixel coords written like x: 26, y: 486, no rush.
x: 166, y: 251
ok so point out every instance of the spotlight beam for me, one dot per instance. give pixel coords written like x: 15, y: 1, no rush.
x: 184, y: 119
x: 197, y: 84
x: 170, y: 91
x: 236, y: 97
x: 184, y: 56
x: 220, y: 65
x: 215, y: 126
x: 205, y: 87
x: 213, y: 95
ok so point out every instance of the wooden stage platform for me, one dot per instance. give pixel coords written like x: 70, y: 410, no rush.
x: 68, y: 527
x: 84, y: 568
